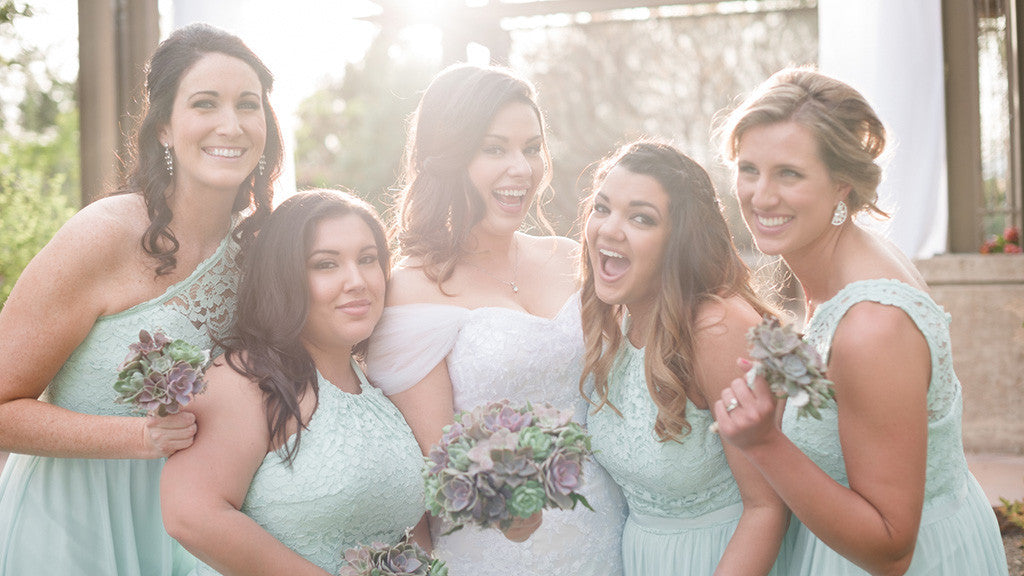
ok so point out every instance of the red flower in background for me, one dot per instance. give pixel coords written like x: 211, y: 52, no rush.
x: 1008, y: 243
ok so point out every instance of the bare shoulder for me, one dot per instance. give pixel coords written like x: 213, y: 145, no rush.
x: 410, y: 285
x: 100, y: 235
x: 869, y: 329
x: 557, y: 249
x: 85, y: 256
x: 720, y: 339
x: 226, y: 389
x: 722, y: 316
x: 553, y: 260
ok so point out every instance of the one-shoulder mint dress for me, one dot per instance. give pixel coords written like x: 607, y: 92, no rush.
x: 959, y: 535
x: 684, y: 503
x: 65, y: 516
x: 356, y: 479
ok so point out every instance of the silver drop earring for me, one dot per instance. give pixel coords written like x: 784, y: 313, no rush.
x: 169, y: 160
x: 839, y: 216
x: 261, y: 166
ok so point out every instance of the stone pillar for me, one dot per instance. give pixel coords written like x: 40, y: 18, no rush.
x: 115, y: 39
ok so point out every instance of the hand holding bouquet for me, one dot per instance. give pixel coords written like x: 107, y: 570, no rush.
x: 161, y: 375
x: 403, y: 559
x: 499, y: 462
x: 792, y: 367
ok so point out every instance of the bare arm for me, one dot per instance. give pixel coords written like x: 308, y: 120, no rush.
x: 202, y: 488
x: 754, y: 545
x: 880, y: 365
x: 51, y: 309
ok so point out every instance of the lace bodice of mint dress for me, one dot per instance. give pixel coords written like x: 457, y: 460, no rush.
x: 684, y: 503
x: 958, y: 534
x: 356, y: 479
x: 85, y: 516
x: 493, y: 354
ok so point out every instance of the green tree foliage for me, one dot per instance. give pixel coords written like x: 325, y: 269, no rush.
x: 39, y: 152
x: 352, y: 131
x: 32, y: 207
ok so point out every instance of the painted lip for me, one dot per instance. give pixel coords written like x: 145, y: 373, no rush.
x: 772, y: 223
x: 356, y: 307
x: 511, y: 199
x: 603, y: 255
x: 225, y: 152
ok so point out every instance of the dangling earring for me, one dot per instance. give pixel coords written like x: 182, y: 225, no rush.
x: 261, y: 167
x: 839, y: 216
x: 169, y: 160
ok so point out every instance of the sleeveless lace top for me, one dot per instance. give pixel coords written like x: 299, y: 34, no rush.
x: 683, y: 479
x: 197, y: 309
x: 946, y: 465
x: 356, y: 479
x: 496, y: 353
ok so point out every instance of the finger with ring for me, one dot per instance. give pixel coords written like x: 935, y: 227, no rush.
x: 732, y: 405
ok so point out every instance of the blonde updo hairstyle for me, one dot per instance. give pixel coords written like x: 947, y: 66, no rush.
x: 849, y: 134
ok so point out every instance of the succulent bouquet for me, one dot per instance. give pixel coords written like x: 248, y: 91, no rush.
x: 161, y: 375
x: 499, y: 462
x: 792, y: 367
x: 403, y: 559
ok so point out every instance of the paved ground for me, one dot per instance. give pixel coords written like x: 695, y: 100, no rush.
x: 1000, y: 476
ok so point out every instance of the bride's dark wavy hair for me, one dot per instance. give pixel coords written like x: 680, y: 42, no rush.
x: 438, y: 204
x: 273, y: 304
x: 148, y: 170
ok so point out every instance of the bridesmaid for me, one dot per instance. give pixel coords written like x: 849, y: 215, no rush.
x: 310, y: 460
x: 79, y: 494
x: 667, y: 303
x: 880, y: 484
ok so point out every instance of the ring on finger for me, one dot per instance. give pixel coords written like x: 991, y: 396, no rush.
x: 732, y: 405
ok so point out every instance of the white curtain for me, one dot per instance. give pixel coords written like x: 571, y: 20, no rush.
x: 891, y: 51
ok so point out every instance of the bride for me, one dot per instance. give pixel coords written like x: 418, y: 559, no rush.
x: 478, y: 311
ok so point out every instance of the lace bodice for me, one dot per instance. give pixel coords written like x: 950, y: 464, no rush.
x: 492, y: 354
x: 683, y: 479
x: 197, y: 310
x: 356, y: 479
x: 946, y: 465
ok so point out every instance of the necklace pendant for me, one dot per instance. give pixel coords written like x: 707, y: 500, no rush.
x: 515, y: 289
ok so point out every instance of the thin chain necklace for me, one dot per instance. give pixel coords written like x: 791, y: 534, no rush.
x: 515, y: 269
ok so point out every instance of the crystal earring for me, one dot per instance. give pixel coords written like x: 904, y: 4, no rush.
x: 261, y: 167
x: 839, y: 216
x: 169, y: 160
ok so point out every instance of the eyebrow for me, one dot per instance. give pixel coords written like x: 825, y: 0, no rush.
x: 504, y: 139
x: 633, y: 203
x: 330, y: 252
x: 216, y: 94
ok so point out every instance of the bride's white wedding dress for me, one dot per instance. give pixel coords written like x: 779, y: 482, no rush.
x: 495, y: 353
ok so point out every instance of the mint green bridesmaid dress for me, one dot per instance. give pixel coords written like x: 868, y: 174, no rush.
x: 684, y: 503
x: 958, y: 534
x: 65, y: 516
x: 356, y: 479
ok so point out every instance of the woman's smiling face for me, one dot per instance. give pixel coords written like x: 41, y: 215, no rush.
x: 626, y: 234
x: 217, y: 128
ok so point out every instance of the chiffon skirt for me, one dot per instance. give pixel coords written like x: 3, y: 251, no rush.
x: 65, y: 516
x: 959, y: 536
x: 659, y: 546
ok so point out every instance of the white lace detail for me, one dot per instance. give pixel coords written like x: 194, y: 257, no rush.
x: 496, y: 353
x: 197, y: 310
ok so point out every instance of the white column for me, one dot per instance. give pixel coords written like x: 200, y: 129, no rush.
x: 891, y: 51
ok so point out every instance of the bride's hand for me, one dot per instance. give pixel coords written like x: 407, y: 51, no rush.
x: 522, y: 528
